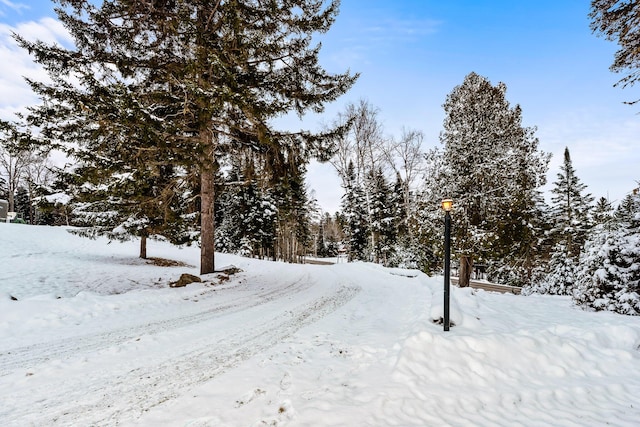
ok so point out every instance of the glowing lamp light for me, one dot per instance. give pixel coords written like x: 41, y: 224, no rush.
x: 447, y: 205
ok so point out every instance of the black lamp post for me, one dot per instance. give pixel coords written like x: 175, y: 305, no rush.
x: 447, y: 204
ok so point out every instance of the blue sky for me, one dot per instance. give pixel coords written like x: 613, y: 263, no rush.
x: 412, y: 53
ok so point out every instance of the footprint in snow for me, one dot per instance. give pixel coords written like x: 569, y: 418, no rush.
x: 285, y: 382
x: 248, y: 397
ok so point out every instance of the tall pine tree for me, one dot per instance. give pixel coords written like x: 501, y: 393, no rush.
x: 571, y: 209
x: 207, y: 76
x: 355, y: 217
x: 492, y: 170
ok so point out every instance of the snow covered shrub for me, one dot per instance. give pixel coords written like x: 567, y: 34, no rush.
x: 414, y: 256
x: 246, y: 248
x: 559, y: 277
x: 609, y: 278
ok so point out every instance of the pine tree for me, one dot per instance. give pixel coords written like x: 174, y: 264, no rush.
x: 383, y: 223
x: 331, y: 234
x: 22, y: 205
x: 121, y: 200
x: 618, y: 21
x: 246, y: 212
x: 53, y: 206
x: 559, y: 278
x: 492, y: 169
x: 399, y: 201
x: 203, y: 77
x: 4, y: 190
x: 355, y: 217
x: 602, y: 211
x: 571, y: 210
x: 570, y: 220
x: 521, y: 228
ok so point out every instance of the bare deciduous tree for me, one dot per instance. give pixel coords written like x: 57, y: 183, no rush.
x: 406, y: 158
x: 20, y: 165
x: 363, y: 144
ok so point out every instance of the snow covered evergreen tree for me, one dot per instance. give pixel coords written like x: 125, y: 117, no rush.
x: 248, y: 225
x: 602, y: 211
x: 383, y: 223
x: 559, y: 278
x: 571, y: 221
x: 206, y: 77
x: 140, y: 198
x: 22, y: 206
x: 355, y: 217
x: 609, y: 278
x: 571, y: 210
x: 329, y: 234
x: 293, y: 215
x: 492, y: 170
x: 618, y: 21
x: 4, y: 189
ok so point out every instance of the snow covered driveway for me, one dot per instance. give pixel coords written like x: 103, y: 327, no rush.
x: 109, y: 375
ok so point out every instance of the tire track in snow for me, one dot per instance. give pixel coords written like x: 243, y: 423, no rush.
x: 123, y: 396
x: 36, y: 354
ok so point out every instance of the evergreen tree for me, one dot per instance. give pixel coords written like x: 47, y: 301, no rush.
x: 521, y: 228
x: 257, y: 212
x: 383, y: 224
x: 602, y: 211
x: 491, y: 168
x: 145, y: 200
x: 246, y: 213
x: 22, y: 205
x: 618, y: 21
x: 400, y: 207
x: 356, y: 222
x: 570, y: 220
x: 330, y: 234
x: 559, y: 277
x: 609, y: 278
x: 571, y: 210
x: 321, y: 247
x: 4, y: 191
x: 201, y: 77
x: 53, y: 206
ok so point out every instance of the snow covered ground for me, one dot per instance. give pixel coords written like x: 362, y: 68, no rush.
x: 96, y: 337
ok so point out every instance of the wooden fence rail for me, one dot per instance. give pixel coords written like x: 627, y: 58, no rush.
x: 491, y: 287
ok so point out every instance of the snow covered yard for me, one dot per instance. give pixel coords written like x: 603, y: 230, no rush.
x: 96, y: 337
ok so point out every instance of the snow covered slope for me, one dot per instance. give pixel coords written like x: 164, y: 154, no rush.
x: 97, y: 337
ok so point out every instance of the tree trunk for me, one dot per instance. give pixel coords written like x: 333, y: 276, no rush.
x: 143, y: 247
x: 12, y: 201
x: 207, y: 197
x: 466, y: 266
x: 31, y: 209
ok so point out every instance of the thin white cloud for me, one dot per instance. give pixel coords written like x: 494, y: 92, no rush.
x: 15, y: 94
x: 403, y: 29
x: 17, y: 6
x: 365, y: 39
